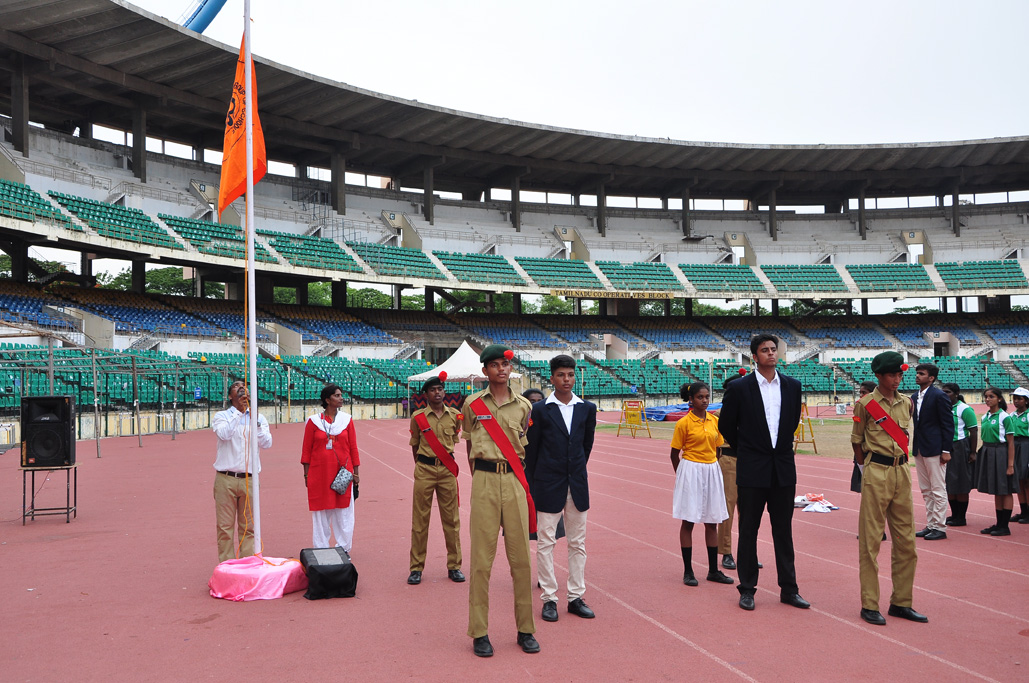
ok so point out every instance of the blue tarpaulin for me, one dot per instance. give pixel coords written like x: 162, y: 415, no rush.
x: 659, y: 413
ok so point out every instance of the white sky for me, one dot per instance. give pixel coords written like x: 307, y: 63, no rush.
x: 748, y: 71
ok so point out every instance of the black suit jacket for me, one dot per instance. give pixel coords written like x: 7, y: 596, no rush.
x: 742, y: 422
x: 555, y: 461
x: 933, y: 425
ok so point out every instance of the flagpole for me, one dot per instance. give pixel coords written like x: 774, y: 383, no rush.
x: 255, y: 456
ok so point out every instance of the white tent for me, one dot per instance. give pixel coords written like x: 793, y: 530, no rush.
x: 463, y: 366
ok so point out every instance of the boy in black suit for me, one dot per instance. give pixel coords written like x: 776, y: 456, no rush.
x: 933, y: 422
x: 759, y: 415
x: 561, y: 431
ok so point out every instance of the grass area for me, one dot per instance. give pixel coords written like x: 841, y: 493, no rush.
x: 832, y: 436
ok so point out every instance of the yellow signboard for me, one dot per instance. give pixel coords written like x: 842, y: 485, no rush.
x: 634, y: 418
x: 602, y: 294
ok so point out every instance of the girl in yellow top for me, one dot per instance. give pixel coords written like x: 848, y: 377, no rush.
x: 699, y: 495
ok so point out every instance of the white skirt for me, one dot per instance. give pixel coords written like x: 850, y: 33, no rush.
x: 699, y: 495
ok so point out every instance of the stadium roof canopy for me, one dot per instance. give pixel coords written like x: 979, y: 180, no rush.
x: 98, y: 61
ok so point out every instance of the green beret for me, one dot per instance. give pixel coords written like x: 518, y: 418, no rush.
x: 888, y: 362
x: 431, y: 382
x: 493, y: 352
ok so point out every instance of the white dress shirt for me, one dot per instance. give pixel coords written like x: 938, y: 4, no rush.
x: 566, y: 408
x: 232, y: 429
x: 771, y: 397
x: 918, y: 404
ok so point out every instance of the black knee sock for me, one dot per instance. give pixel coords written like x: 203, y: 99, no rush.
x: 687, y: 559
x: 712, y: 558
x: 960, y: 508
x: 1024, y: 509
x: 1003, y: 517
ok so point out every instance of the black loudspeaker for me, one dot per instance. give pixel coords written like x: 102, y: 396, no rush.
x: 47, y: 431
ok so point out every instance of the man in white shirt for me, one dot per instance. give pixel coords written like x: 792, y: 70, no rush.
x: 233, y: 469
x: 561, y: 431
x: 932, y: 422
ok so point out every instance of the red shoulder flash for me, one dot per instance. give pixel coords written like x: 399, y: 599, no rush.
x: 530, y: 421
x: 460, y: 416
x: 857, y: 419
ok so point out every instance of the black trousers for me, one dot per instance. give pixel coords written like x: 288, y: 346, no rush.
x: 751, y: 502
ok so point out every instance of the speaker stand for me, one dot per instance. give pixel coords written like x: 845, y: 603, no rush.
x: 71, y: 501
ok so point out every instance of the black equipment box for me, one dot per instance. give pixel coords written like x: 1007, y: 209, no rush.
x: 330, y: 574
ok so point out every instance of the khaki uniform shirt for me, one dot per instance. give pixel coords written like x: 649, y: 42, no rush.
x: 872, y: 437
x: 446, y: 429
x: 513, y: 417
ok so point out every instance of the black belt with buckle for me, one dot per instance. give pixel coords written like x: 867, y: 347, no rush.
x: 237, y: 475
x: 889, y: 460
x: 431, y: 462
x: 491, y: 466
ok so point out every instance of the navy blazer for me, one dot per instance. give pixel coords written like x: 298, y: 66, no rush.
x: 742, y: 422
x: 555, y: 461
x: 933, y: 425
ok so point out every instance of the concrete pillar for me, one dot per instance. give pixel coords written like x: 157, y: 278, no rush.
x: 339, y: 294
x: 959, y: 306
x: 397, y: 293
x: 139, y: 277
x: 668, y: 308
x: 577, y: 306
x: 955, y: 213
x: 773, y: 224
x: 85, y: 267
x: 264, y: 289
x: 688, y: 307
x: 864, y: 307
x: 429, y: 200
x: 430, y: 300
x: 516, y: 203
x: 687, y: 229
x: 139, y: 142
x: 302, y: 297
x: 602, y: 210
x: 337, y: 183
x: 775, y: 307
x: 19, y: 254
x: 862, y: 225
x: 85, y: 129
x: 20, y: 106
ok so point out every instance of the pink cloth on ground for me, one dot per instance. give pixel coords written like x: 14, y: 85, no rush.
x: 257, y: 578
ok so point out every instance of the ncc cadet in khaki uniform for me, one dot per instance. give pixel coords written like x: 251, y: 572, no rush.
x: 433, y: 474
x: 882, y: 421
x: 499, y: 499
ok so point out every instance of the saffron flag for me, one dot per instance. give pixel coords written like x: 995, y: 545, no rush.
x: 234, y: 150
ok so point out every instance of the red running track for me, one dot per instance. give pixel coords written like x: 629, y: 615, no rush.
x: 120, y: 593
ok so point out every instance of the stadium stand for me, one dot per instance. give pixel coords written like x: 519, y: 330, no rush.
x: 310, y: 251
x: 639, y: 276
x: 26, y: 305
x: 353, y: 378
x: 714, y: 372
x: 1005, y: 329
x: 650, y: 376
x: 137, y: 314
x: 117, y: 222
x: 1006, y: 274
x: 722, y: 277
x: 671, y: 334
x: 813, y: 278
x: 967, y: 372
x: 216, y: 239
x: 511, y: 330
x: 20, y: 201
x: 911, y: 331
x: 590, y: 379
x: 328, y: 323
x: 579, y: 329
x: 888, y: 277
x: 386, y: 260
x: 741, y: 329
x: 487, y: 268
x: 840, y: 332
x: 814, y: 376
x: 228, y: 315
x: 564, y: 273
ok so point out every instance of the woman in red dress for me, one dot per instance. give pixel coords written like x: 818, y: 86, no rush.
x: 330, y: 442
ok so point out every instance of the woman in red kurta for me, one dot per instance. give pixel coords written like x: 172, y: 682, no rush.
x: 330, y: 442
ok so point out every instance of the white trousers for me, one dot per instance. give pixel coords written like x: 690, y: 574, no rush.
x: 932, y: 482
x: 546, y: 529
x: 338, y: 520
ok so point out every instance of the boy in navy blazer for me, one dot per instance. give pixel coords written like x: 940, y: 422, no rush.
x: 933, y: 422
x: 560, y: 435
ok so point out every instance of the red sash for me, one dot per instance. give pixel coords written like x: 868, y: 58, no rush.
x: 496, y: 432
x: 888, y: 424
x: 444, y: 457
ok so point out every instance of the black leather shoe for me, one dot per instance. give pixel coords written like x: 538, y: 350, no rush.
x: 689, y: 579
x: 528, y: 643
x: 988, y: 530
x: 1016, y: 518
x: 923, y: 532
x: 1001, y: 531
x: 455, y: 575
x: 957, y: 522
x: 482, y: 647
x: 549, y: 611
x: 795, y: 600
x: 935, y: 535
x: 719, y: 577
x: 728, y: 562
x: 873, y: 617
x: 747, y: 602
x: 1024, y: 520
x: 415, y: 578
x: 760, y: 566
x: 580, y: 608
x: 907, y: 613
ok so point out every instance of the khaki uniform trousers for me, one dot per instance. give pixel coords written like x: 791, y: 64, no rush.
x: 498, y: 500
x: 728, y: 465
x: 232, y: 515
x: 427, y: 480
x: 886, y: 497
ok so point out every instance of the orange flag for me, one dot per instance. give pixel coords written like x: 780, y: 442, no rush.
x: 234, y: 150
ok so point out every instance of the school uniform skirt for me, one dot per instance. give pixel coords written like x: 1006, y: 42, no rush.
x: 991, y: 471
x: 960, y: 472
x: 699, y: 495
x: 1021, y: 457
